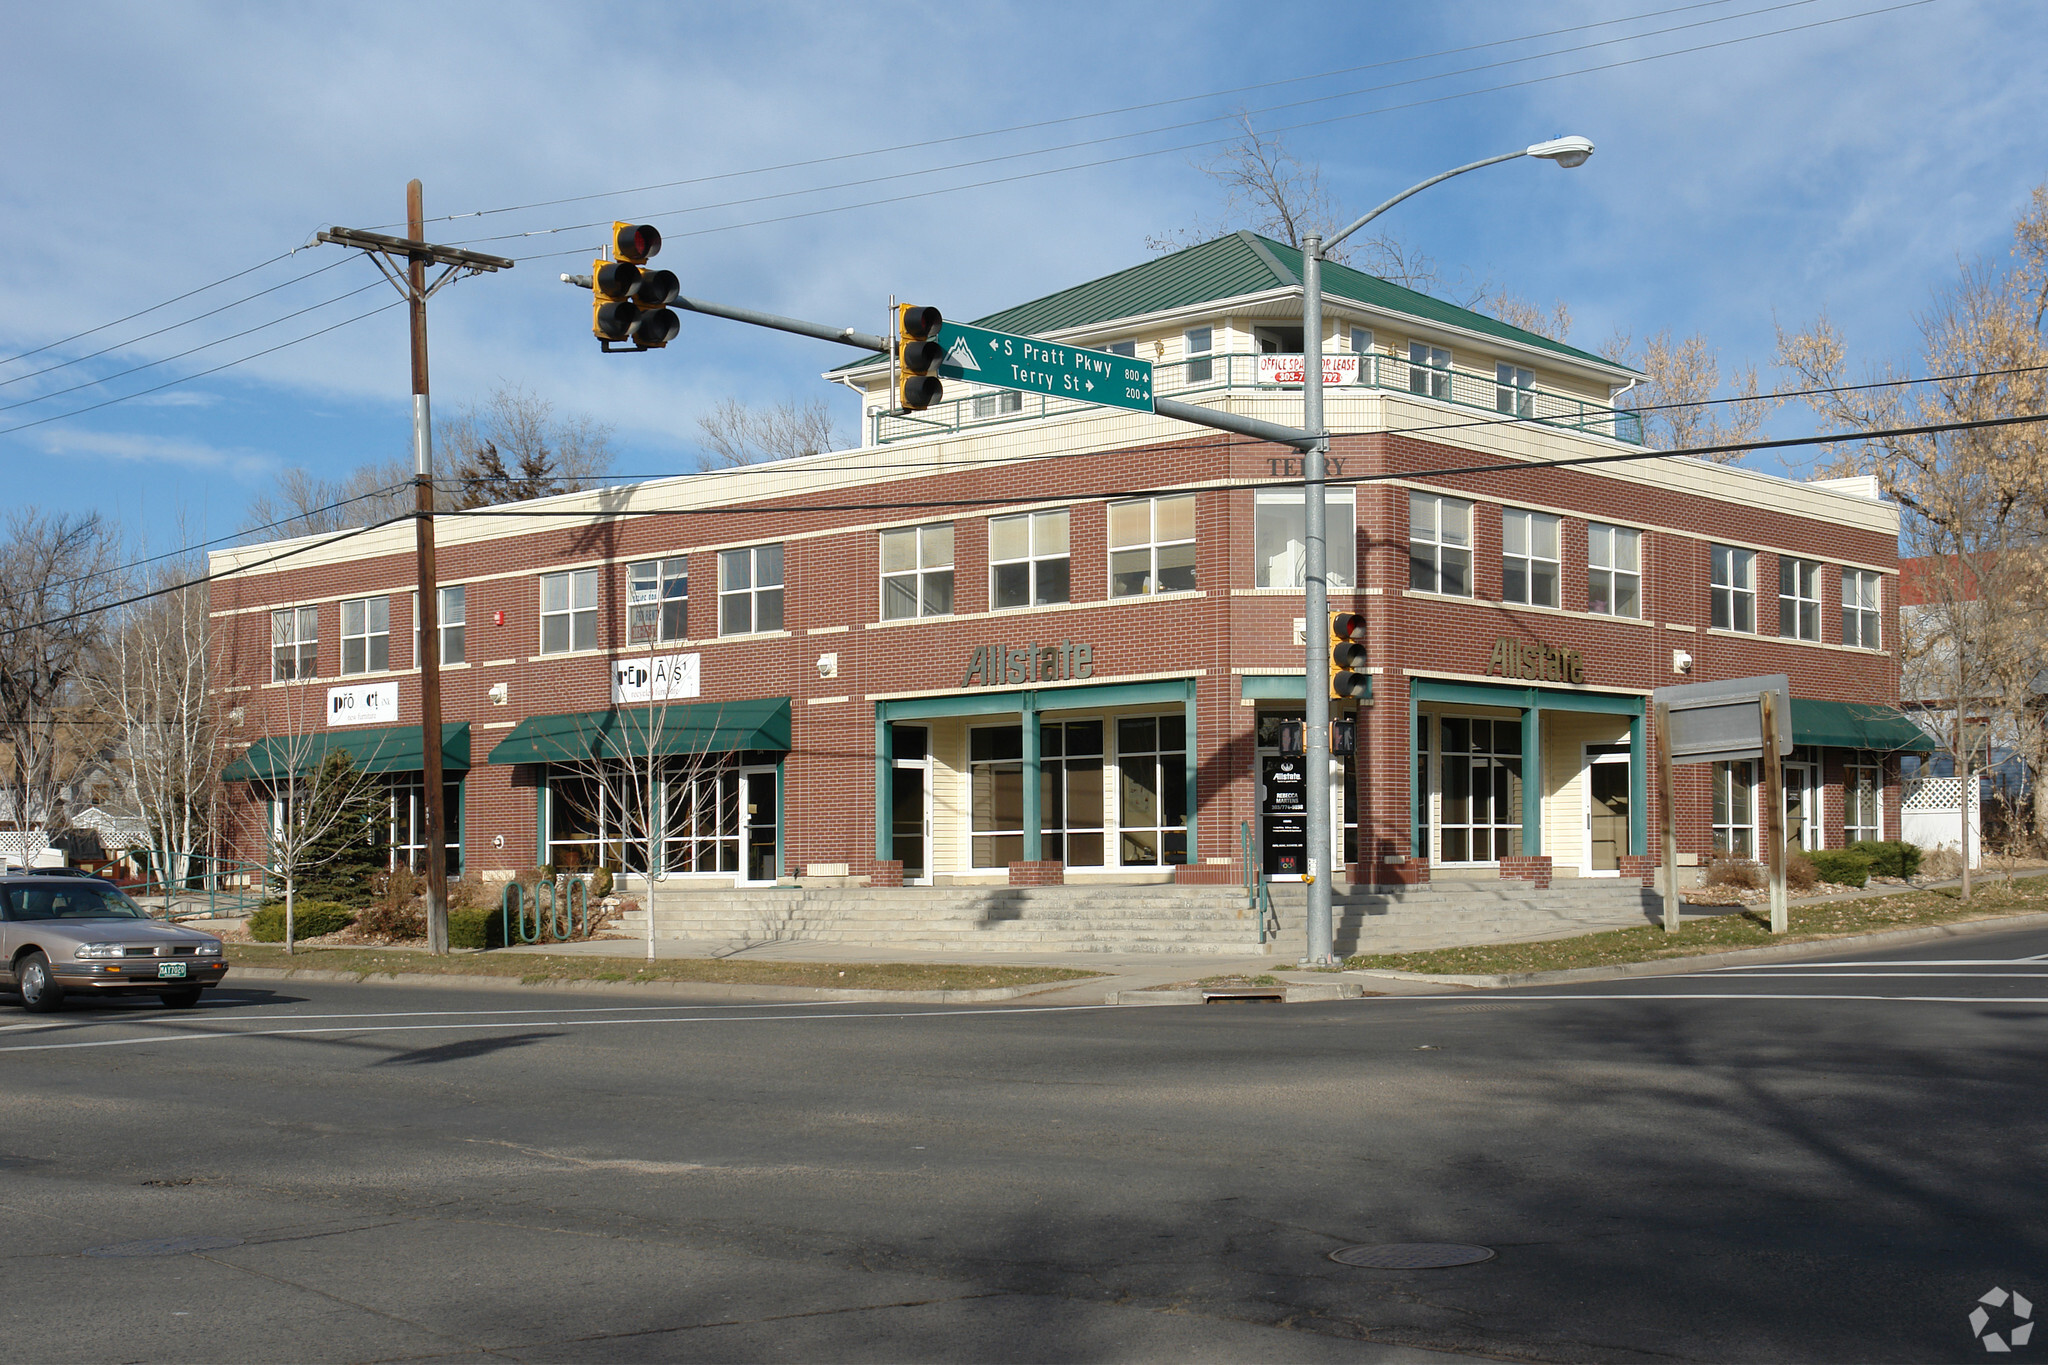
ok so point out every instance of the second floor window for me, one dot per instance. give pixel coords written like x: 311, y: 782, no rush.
x: 1429, y: 370
x: 1614, y: 570
x: 917, y: 571
x: 366, y: 635
x: 1439, y: 544
x: 1799, y: 598
x: 750, y: 590
x: 1278, y: 533
x: 449, y: 622
x: 294, y: 643
x: 1152, y: 546
x: 568, y: 611
x: 1126, y: 348
x: 1733, y: 591
x: 1200, y: 369
x: 657, y: 601
x: 1514, y: 390
x: 1028, y: 564
x: 1528, y: 557
x: 1860, y: 608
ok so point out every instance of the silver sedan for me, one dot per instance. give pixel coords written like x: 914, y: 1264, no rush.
x: 64, y: 934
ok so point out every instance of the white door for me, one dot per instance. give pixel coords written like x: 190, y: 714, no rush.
x: 1606, y: 785
x: 759, y: 846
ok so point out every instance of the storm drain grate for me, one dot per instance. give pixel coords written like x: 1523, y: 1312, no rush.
x: 165, y: 1246
x: 1411, y: 1255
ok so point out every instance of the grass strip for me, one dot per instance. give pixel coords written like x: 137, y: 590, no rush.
x: 1749, y: 928
x: 538, y: 968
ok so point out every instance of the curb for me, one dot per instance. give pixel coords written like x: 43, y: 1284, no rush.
x: 1679, y: 966
x: 716, y: 990
x: 1295, y: 995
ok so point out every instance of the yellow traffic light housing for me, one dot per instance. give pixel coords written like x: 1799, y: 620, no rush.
x: 635, y: 242
x: 1348, y: 678
x: 919, y: 353
x: 629, y: 303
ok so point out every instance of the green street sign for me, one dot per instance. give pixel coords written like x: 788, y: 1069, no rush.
x: 980, y: 356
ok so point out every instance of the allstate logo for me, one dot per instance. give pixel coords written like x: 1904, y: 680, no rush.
x: 2017, y: 1320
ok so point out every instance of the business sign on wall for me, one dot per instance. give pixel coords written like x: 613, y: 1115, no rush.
x: 664, y: 678
x: 1290, y: 369
x: 363, y: 704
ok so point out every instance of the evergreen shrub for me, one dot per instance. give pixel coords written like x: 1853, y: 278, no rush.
x: 1842, y: 866
x: 310, y: 919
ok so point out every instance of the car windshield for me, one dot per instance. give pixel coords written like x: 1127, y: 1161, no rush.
x: 83, y: 901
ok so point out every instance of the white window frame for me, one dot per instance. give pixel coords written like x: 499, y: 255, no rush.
x: 1514, y: 390
x: 1287, y: 506
x: 1732, y: 589
x: 1039, y: 555
x: 360, y: 637
x: 1798, y: 598
x: 924, y: 585
x: 294, y: 653
x: 1200, y: 343
x: 1605, y: 576
x: 1852, y: 775
x: 655, y: 590
x: 577, y: 612
x: 998, y: 402
x: 443, y: 623
x: 1429, y: 370
x: 762, y: 600
x: 1156, y: 550
x: 1530, y: 529
x: 1431, y: 550
x: 1863, y: 608
x: 1725, y: 802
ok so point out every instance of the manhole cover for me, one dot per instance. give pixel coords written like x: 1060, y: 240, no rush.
x: 165, y: 1246
x: 1412, y: 1255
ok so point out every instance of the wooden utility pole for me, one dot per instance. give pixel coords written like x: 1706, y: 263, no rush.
x: 418, y: 255
x: 1774, y: 807
x: 1667, y: 818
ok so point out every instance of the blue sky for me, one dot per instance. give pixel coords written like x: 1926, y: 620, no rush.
x: 1845, y: 166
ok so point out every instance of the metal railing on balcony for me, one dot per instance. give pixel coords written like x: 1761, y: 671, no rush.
x: 1243, y: 372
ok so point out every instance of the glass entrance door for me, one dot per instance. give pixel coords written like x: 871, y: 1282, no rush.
x: 1802, y: 805
x: 1607, y: 787
x: 758, y: 844
x: 910, y: 802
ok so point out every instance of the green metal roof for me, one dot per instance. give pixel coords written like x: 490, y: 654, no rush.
x: 710, y: 727
x: 1230, y: 267
x: 373, y: 749
x: 1856, y: 725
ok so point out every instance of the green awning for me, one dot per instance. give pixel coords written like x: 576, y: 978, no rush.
x: 374, y: 749
x: 707, y: 727
x: 1856, y: 725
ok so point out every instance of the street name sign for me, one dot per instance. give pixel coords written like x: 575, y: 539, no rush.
x: 1007, y: 361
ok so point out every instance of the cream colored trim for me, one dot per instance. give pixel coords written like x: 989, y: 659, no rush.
x: 827, y: 630
x: 1099, y: 680
x: 825, y: 701
x: 1491, y: 680
x: 1008, y: 613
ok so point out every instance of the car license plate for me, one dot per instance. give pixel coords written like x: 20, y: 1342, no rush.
x: 170, y: 969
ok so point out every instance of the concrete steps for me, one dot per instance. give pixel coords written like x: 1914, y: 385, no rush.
x: 1453, y: 913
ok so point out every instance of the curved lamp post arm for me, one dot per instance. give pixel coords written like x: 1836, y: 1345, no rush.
x: 1417, y: 189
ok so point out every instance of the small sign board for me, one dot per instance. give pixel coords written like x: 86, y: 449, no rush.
x: 664, y: 677
x: 363, y: 704
x: 1717, y: 722
x: 1029, y: 365
x: 1341, y: 368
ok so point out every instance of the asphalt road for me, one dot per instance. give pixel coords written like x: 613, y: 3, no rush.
x: 1827, y: 1160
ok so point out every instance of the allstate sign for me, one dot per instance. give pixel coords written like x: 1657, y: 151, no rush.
x: 658, y: 679
x: 366, y: 704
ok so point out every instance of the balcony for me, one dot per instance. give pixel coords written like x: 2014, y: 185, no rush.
x: 1191, y: 380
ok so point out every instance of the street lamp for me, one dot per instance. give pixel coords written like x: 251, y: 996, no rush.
x: 1566, y: 152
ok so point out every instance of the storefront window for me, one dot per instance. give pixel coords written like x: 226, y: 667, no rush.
x: 701, y: 820
x: 408, y: 824
x: 598, y: 818
x: 1480, y: 813
x: 995, y: 772
x: 1151, y: 755
x: 1070, y: 801
x: 1279, y: 529
x: 1735, y: 809
x: 1861, y: 784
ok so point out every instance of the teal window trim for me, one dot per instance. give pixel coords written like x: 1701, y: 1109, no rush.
x: 1532, y: 702
x: 1034, y: 813
x: 885, y: 763
x: 1417, y: 753
x: 1189, y: 770
x: 781, y: 828
x: 540, y: 819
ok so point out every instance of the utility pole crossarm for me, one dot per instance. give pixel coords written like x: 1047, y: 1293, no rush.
x: 411, y: 250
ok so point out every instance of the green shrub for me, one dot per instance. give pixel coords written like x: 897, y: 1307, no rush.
x: 1842, y: 866
x: 1889, y: 857
x: 475, y: 928
x: 310, y: 919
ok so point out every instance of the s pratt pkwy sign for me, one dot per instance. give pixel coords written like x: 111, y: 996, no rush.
x: 1006, y: 361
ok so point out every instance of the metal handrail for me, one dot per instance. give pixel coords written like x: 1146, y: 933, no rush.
x: 231, y: 886
x: 1257, y: 897
x: 1237, y: 371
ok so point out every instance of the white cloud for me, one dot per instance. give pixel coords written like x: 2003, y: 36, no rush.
x: 140, y: 449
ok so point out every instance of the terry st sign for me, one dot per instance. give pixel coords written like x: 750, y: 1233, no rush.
x: 1006, y: 361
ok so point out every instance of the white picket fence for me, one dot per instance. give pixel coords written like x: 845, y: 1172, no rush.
x: 1931, y: 815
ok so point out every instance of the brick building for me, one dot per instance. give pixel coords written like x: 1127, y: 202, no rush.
x: 1019, y: 637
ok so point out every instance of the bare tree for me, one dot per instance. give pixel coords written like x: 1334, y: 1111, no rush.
x: 324, y: 804
x: 1678, y: 401
x: 154, y: 687
x: 514, y: 446
x: 741, y: 435
x: 58, y: 573
x: 1517, y: 311
x: 305, y: 504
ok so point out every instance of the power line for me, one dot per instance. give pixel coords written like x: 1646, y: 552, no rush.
x: 225, y: 279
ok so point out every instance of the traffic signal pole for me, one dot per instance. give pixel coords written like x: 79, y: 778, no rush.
x: 418, y: 255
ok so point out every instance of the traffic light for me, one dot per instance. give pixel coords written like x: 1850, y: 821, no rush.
x: 628, y: 301
x: 919, y: 353
x: 1348, y: 679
